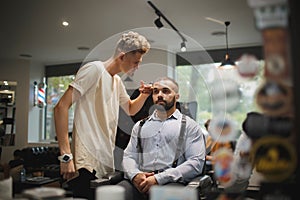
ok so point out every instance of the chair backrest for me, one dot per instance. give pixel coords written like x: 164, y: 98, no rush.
x: 188, y: 108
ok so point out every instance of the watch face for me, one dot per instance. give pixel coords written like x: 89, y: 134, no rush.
x: 66, y: 158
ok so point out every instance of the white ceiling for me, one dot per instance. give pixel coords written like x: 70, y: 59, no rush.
x: 34, y: 26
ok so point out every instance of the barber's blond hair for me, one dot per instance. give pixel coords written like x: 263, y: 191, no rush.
x: 132, y: 42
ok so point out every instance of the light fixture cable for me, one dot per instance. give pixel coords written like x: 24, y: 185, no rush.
x: 226, y: 32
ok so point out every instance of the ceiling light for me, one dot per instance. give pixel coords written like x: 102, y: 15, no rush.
x: 183, y: 47
x: 65, y: 23
x: 218, y: 33
x: 23, y: 55
x: 227, y: 63
x: 83, y: 48
x: 158, y: 23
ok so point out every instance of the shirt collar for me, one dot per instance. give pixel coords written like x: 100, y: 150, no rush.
x: 176, y: 115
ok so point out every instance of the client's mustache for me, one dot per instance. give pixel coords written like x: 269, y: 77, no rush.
x: 159, y: 100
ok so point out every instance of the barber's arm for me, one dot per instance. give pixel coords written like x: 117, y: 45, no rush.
x: 136, y: 104
x: 67, y: 169
x: 194, y: 159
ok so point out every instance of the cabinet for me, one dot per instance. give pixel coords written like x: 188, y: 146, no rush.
x: 7, y: 125
x: 7, y: 113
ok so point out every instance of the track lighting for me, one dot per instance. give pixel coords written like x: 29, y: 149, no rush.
x: 159, y: 24
x: 183, y: 47
x: 227, y: 63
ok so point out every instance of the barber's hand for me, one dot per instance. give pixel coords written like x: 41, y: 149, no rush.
x: 67, y: 170
x: 145, y: 88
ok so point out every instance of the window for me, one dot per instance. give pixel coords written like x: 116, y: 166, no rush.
x: 56, y: 86
x: 193, y: 85
x: 194, y: 73
x: 58, y: 78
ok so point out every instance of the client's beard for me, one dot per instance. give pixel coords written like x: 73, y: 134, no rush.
x: 165, y: 107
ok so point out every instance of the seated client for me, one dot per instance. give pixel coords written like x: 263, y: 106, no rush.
x: 165, y: 148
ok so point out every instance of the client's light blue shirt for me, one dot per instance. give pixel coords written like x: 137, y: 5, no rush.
x: 159, y: 141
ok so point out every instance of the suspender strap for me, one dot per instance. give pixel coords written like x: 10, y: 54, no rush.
x: 180, y: 141
x: 204, y: 165
x: 139, y: 142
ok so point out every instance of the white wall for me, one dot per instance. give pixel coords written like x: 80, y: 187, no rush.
x: 35, y: 113
x: 28, y: 117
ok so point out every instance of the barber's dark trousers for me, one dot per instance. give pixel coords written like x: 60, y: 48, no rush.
x: 80, y: 186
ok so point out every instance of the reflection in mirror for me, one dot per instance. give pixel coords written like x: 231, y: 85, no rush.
x: 7, y: 112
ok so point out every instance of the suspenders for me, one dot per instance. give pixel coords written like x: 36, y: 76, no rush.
x: 179, y: 145
x: 180, y: 141
x: 139, y: 142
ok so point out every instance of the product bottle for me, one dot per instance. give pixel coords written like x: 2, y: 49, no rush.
x: 23, y: 175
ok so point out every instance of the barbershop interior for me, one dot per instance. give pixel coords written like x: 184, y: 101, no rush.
x: 235, y: 64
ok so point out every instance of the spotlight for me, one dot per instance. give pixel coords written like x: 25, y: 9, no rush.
x: 158, y: 23
x: 183, y: 47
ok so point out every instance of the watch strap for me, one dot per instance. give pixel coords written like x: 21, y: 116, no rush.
x: 65, y: 158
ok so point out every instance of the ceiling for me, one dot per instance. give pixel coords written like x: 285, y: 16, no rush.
x: 34, y: 26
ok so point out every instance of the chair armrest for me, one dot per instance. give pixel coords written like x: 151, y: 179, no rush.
x: 111, y: 178
x: 201, y: 182
x: 114, y: 177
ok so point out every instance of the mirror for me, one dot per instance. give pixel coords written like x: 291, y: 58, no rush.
x: 7, y: 112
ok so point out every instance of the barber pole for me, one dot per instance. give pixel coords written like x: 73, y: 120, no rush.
x: 35, y: 93
x: 41, y: 95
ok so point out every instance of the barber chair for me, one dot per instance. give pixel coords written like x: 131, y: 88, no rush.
x: 202, y: 183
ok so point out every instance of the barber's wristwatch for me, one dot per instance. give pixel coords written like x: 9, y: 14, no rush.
x: 65, y: 158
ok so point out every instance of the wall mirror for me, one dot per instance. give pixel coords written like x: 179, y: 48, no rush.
x: 7, y: 112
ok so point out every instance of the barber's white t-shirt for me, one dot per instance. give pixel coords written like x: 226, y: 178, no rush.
x: 96, y: 117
